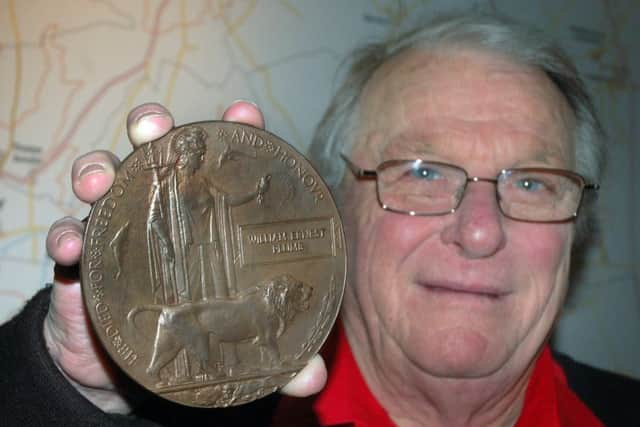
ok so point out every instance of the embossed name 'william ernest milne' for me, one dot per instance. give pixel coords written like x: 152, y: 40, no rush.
x: 287, y: 240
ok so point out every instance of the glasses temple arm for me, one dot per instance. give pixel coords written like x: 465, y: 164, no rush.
x: 358, y: 171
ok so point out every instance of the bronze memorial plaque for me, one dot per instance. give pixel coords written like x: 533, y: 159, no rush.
x: 214, y: 268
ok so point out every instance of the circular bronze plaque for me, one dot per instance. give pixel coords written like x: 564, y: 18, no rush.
x: 214, y: 268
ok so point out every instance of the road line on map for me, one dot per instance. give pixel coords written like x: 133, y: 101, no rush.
x: 16, y: 86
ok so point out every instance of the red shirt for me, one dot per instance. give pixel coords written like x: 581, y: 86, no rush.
x: 346, y: 399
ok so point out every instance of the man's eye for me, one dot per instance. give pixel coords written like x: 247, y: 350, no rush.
x: 530, y: 185
x: 426, y: 173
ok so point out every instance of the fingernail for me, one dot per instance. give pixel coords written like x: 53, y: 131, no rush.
x: 145, y: 110
x: 151, y: 121
x: 148, y: 127
x: 66, y: 236
x: 91, y: 168
x: 244, y: 100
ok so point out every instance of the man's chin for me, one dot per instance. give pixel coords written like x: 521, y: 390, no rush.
x: 459, y: 354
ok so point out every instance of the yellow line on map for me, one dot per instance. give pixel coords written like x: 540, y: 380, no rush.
x: 31, y: 208
x: 185, y: 46
x: 291, y: 8
x: 120, y: 126
x: 231, y: 29
x: 233, y: 26
x: 22, y: 231
x: 16, y: 86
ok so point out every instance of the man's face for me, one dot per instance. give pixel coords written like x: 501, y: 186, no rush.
x: 471, y: 293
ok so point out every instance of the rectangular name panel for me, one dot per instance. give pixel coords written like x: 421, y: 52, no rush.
x: 286, y: 241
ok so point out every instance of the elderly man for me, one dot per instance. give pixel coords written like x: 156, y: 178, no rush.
x: 461, y: 155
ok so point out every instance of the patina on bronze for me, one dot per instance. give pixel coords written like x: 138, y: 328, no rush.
x: 214, y: 268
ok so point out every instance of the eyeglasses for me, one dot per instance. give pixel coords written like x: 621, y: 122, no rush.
x: 425, y: 188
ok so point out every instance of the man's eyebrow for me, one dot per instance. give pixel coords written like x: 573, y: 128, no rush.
x: 410, y: 139
x: 419, y: 143
x: 550, y: 152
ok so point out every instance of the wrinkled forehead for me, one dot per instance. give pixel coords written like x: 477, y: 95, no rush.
x: 436, y: 93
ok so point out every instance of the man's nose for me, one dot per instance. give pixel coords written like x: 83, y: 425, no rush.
x: 477, y: 227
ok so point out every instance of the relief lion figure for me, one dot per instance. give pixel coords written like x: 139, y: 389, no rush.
x: 261, y: 314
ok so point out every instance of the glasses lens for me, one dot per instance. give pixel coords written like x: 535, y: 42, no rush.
x: 423, y: 188
x: 539, y: 195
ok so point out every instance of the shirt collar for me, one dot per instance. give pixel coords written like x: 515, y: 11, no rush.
x: 550, y: 402
x: 346, y: 399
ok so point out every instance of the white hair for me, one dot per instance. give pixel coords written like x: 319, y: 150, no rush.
x: 469, y: 30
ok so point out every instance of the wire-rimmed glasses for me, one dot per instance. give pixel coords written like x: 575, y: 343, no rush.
x: 425, y: 188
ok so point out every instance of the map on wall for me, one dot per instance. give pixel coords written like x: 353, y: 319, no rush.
x: 73, y: 69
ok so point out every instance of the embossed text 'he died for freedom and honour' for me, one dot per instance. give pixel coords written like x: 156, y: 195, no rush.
x: 96, y: 243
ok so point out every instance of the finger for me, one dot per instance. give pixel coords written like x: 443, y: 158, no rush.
x: 310, y: 380
x: 64, y: 241
x: 93, y: 174
x: 244, y: 112
x: 147, y: 123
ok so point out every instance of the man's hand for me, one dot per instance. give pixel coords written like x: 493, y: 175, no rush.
x: 67, y: 331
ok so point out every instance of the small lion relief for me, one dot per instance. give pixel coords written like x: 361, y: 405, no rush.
x: 197, y: 331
